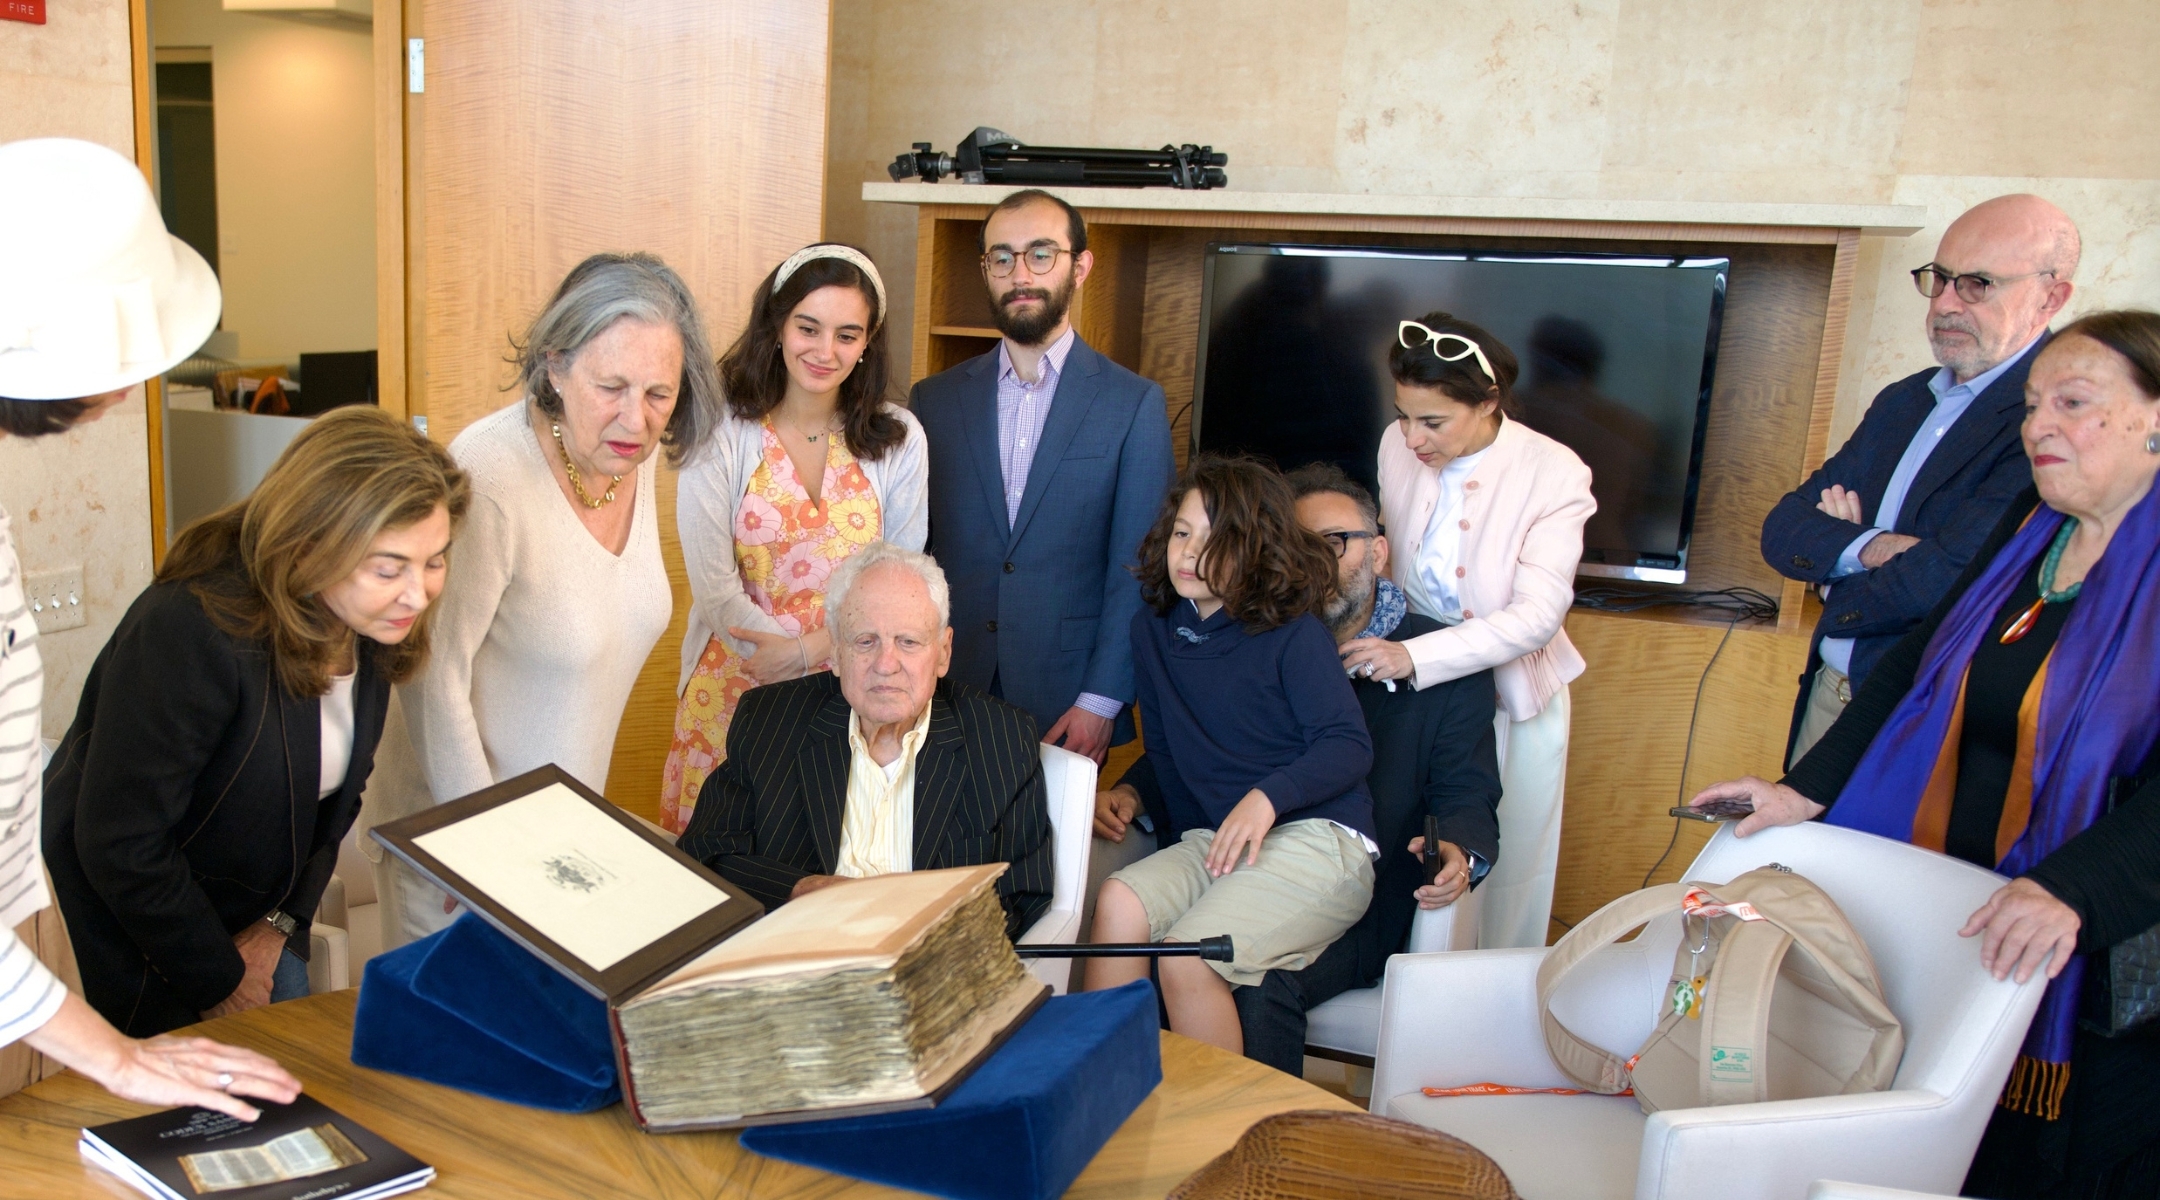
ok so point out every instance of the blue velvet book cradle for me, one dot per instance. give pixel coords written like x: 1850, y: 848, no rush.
x: 473, y: 1010
x: 566, y: 987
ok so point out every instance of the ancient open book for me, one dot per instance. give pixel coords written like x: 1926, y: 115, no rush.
x: 864, y: 996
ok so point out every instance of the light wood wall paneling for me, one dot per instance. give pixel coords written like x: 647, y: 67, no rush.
x: 1633, y: 706
x: 145, y: 96
x: 388, y: 87
x: 553, y: 129
x: 1769, y: 352
x: 1107, y: 311
x: 926, y: 263
x: 1170, y: 336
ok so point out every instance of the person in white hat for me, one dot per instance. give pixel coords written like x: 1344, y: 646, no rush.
x: 95, y: 297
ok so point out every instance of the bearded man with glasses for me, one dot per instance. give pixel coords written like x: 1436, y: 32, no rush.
x: 1888, y: 523
x: 1047, y: 463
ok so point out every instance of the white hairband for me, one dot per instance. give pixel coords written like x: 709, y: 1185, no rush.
x: 847, y: 254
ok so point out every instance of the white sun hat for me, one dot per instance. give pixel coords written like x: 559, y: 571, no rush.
x: 94, y: 294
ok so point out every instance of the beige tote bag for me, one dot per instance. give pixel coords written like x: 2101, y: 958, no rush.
x: 1773, y: 997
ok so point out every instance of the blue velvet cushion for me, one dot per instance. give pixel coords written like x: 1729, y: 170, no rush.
x: 471, y: 1009
x: 1022, y: 1127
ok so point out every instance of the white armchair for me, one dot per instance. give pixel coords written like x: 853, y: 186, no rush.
x: 1347, y: 1028
x: 1452, y: 1019
x: 1070, y: 781
x: 1831, y: 1189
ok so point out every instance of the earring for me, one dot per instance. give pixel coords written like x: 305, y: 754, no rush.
x: 2152, y: 443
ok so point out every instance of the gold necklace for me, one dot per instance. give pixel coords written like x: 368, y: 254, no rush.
x: 583, y: 498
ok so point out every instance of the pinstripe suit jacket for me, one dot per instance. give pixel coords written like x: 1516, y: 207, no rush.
x: 771, y: 813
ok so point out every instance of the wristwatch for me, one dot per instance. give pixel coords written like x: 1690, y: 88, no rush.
x: 281, y: 921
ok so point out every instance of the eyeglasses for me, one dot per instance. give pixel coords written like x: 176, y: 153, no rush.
x: 1041, y: 260
x: 1341, y: 541
x: 1971, y: 287
x: 1433, y: 338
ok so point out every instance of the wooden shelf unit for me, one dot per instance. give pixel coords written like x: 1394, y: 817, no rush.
x: 1637, y: 723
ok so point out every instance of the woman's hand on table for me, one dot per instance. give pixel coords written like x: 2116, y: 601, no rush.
x: 1240, y: 834
x: 166, y: 1071
x: 2021, y: 926
x: 1377, y: 658
x: 779, y: 656
x: 1774, y: 803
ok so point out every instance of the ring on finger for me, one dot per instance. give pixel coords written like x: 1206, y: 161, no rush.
x: 224, y: 1081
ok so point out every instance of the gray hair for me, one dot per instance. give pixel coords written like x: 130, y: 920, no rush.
x: 877, y: 554
x: 600, y: 291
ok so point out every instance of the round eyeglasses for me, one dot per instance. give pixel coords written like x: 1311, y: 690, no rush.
x: 1041, y: 260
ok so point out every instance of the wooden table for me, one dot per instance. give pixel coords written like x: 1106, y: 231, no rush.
x: 485, y: 1148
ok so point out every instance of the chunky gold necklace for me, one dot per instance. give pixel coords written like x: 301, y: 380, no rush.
x: 584, y: 498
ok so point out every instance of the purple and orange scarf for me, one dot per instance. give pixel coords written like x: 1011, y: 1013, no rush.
x: 2090, y: 716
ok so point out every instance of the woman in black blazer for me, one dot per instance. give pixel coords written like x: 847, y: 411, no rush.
x: 193, y: 812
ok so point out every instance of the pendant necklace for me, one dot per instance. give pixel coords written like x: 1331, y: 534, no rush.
x: 583, y: 496
x: 2048, y: 595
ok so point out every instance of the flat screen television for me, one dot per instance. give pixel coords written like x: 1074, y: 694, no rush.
x: 1617, y: 355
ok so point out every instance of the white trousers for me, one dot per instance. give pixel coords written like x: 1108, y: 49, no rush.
x: 1515, y: 900
x: 407, y: 905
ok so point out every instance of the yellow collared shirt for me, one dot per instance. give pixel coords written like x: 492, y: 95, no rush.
x: 877, y: 832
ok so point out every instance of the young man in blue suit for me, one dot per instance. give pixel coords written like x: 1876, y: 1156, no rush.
x: 1047, y: 463
x: 1891, y: 519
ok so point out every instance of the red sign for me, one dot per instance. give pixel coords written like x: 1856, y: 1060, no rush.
x: 30, y: 12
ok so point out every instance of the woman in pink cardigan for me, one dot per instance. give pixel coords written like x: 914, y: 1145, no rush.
x: 1487, y: 515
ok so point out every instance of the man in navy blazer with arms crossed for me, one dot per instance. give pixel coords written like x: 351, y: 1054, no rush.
x: 1891, y: 520
x: 1047, y: 462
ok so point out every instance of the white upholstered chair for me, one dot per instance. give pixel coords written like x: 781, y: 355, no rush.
x: 1069, y: 779
x: 1452, y: 1019
x: 1347, y: 1028
x: 1831, y: 1189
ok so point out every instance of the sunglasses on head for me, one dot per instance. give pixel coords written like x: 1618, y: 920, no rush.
x: 1412, y: 335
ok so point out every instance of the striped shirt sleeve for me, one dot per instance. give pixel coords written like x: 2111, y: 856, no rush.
x: 22, y: 677
x: 29, y: 994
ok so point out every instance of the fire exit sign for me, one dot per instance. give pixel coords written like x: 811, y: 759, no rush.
x: 28, y: 11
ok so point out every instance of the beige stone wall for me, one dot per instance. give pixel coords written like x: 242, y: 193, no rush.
x: 295, y: 174
x: 82, y: 498
x: 1934, y: 102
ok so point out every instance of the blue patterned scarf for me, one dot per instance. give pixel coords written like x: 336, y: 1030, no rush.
x: 1388, y: 606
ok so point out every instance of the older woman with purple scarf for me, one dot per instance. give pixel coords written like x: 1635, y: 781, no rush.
x: 2016, y: 728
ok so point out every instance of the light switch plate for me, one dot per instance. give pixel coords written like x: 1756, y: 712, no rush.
x: 55, y: 598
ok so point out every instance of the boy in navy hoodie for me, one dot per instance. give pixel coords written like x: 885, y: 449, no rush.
x: 1258, y: 745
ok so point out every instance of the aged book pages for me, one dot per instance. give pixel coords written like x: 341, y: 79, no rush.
x: 846, y: 925
x: 879, y: 994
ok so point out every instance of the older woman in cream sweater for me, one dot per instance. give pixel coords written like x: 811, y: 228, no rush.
x: 557, y: 593
x: 1488, y: 516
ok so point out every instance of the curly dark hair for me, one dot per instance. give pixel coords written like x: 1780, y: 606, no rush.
x: 1267, y: 569
x: 1462, y: 380
x: 754, y: 378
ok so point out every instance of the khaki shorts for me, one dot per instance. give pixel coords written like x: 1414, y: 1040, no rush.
x: 1313, y: 881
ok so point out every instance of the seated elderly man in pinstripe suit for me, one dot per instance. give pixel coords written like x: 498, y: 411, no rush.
x: 882, y: 765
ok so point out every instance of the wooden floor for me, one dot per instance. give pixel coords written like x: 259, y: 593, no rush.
x: 487, y: 1149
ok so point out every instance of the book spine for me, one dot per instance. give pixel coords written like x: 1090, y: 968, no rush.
x: 622, y: 1067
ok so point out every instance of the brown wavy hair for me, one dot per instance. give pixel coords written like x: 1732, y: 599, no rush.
x: 258, y: 565
x: 1267, y: 569
x: 754, y: 378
